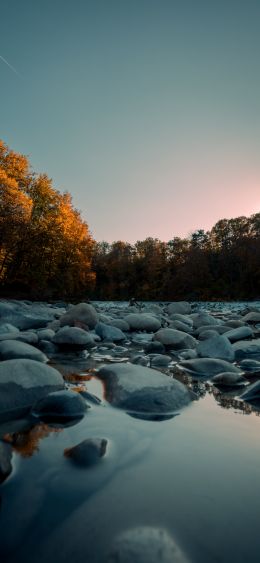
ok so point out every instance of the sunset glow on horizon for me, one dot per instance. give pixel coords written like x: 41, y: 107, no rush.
x: 148, y: 113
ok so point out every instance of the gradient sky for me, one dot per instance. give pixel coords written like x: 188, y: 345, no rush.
x: 146, y: 111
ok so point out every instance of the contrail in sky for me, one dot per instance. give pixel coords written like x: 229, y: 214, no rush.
x: 10, y: 66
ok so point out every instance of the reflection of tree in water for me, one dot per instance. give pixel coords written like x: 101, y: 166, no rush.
x: 26, y: 443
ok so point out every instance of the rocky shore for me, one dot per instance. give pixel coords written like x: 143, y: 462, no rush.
x: 152, y: 361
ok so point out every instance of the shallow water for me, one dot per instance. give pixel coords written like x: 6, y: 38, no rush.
x: 196, y: 474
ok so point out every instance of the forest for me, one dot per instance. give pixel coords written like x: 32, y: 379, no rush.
x: 47, y: 251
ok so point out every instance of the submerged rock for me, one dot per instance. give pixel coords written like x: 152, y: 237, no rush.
x: 207, y: 367
x: 252, y: 393
x: 141, y: 389
x: 22, y: 382
x: 88, y: 453
x: 145, y: 545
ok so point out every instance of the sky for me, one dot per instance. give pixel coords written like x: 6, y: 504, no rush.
x: 146, y: 111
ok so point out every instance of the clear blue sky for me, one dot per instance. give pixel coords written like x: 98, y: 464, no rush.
x: 146, y: 111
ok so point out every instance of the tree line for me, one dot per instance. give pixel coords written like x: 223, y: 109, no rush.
x: 47, y: 251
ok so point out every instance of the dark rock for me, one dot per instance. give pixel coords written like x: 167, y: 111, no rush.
x: 88, y: 453
x: 5, y: 460
x: 60, y: 406
x: 11, y: 349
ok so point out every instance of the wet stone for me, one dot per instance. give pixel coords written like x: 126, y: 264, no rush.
x: 88, y: 453
x: 60, y: 405
x: 5, y: 460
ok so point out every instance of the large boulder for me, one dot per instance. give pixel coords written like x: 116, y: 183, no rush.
x: 180, y: 307
x: 216, y: 347
x: 22, y: 382
x: 143, y: 321
x: 252, y: 317
x: 203, y: 319
x: 145, y: 545
x: 72, y: 337
x: 12, y: 349
x: 82, y: 313
x: 207, y: 367
x: 175, y: 339
x: 143, y: 390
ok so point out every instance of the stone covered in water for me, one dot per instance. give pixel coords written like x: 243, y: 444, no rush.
x: 252, y: 393
x: 143, y: 390
x: 145, y: 545
x: 228, y: 379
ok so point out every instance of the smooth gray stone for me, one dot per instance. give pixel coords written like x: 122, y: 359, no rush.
x: 239, y: 333
x: 252, y: 393
x: 28, y: 337
x: 60, y: 406
x: 175, y: 339
x: 71, y: 337
x: 143, y: 321
x: 207, y: 367
x: 154, y: 347
x: 250, y: 365
x: 81, y: 313
x: 108, y: 332
x: 178, y: 325
x: 159, y: 360
x: 228, y: 379
x: 145, y: 545
x: 5, y: 460
x: 6, y: 328
x: 182, y: 318
x: 209, y: 333
x: 247, y: 349
x: 180, y: 307
x: 220, y: 329
x: 216, y: 347
x: 28, y: 321
x: 121, y: 324
x: 87, y: 453
x: 45, y: 334
x: 141, y: 389
x: 140, y: 360
x: 12, y: 349
x: 203, y: 319
x: 253, y: 317
x: 22, y: 382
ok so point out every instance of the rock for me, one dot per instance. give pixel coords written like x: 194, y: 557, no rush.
x: 228, y: 379
x: 141, y: 389
x: 11, y: 349
x: 239, y: 333
x: 178, y: 325
x: 234, y: 323
x: 28, y: 337
x: 145, y: 545
x: 88, y: 452
x: 45, y: 334
x: 108, y: 332
x: 203, y: 319
x: 219, y: 329
x: 182, y: 318
x: 253, y: 317
x: 5, y: 309
x: 187, y: 354
x: 154, y: 347
x: 216, y: 347
x: 143, y: 321
x: 247, y: 349
x: 207, y: 367
x: 60, y: 406
x: 29, y: 321
x: 250, y: 365
x: 5, y: 460
x: 252, y: 392
x: 71, y: 337
x: 121, y: 324
x: 6, y: 328
x: 159, y: 360
x: 22, y: 382
x: 82, y: 313
x: 180, y: 307
x: 209, y: 333
x: 175, y: 339
x: 140, y: 360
